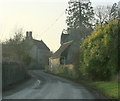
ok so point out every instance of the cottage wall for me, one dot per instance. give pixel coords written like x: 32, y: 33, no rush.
x: 40, y: 57
x: 43, y: 57
x: 33, y: 52
x: 54, y: 64
x: 38, y: 50
x: 73, y: 54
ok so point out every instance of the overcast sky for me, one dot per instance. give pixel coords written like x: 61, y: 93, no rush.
x: 45, y: 18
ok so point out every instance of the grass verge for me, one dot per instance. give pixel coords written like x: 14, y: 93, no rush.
x: 110, y: 89
x: 105, y: 89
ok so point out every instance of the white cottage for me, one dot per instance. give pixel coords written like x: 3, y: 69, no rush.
x: 38, y: 50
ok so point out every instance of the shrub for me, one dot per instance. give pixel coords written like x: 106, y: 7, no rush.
x: 99, y: 52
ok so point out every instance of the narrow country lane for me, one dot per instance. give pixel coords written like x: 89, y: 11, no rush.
x: 47, y: 86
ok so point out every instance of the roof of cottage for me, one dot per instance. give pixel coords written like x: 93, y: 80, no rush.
x: 62, y: 48
x: 40, y: 44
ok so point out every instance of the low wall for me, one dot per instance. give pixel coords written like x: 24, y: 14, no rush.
x: 12, y: 73
x: 64, y: 70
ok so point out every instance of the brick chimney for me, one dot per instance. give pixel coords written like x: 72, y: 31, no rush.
x: 28, y: 34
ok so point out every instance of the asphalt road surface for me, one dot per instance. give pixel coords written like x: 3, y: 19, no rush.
x: 47, y: 86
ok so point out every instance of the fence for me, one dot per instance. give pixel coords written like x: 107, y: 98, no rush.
x: 12, y: 73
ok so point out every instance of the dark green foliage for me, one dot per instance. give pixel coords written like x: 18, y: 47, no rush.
x: 79, y: 13
x: 15, y: 60
x: 18, y: 48
x: 99, y: 52
x: 27, y: 59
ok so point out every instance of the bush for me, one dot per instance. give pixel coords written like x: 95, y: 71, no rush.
x: 99, y: 52
x: 16, y: 48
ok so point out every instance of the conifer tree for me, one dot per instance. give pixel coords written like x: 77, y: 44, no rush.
x: 79, y: 13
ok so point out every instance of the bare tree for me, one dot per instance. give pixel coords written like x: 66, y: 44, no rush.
x: 106, y: 13
x: 102, y: 14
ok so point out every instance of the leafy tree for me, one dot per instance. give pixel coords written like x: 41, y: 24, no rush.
x: 18, y: 47
x: 79, y: 13
x: 17, y: 38
x: 99, y: 52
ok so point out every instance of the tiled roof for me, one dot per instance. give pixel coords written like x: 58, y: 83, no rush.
x: 62, y: 48
x: 40, y: 44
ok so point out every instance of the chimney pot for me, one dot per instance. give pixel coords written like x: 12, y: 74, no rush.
x: 26, y: 34
x: 29, y: 34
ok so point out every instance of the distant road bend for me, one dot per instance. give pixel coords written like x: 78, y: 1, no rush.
x: 47, y: 86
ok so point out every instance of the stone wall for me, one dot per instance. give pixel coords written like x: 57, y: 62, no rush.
x: 40, y: 57
x: 63, y: 70
x: 54, y: 64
